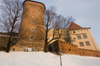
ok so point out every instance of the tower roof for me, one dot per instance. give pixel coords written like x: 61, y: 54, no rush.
x: 74, y: 26
x: 35, y: 1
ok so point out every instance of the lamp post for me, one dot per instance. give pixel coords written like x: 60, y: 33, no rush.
x: 60, y: 57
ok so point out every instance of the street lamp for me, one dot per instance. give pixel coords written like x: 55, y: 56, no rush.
x: 59, y: 52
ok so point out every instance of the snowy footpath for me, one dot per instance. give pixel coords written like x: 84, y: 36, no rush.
x: 45, y: 59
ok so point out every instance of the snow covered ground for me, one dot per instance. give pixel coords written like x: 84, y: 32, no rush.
x: 45, y: 59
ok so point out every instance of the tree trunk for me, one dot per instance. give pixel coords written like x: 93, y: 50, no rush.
x: 46, y: 46
x: 9, y: 42
x: 46, y: 41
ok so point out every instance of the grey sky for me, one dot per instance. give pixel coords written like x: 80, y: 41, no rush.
x: 86, y: 13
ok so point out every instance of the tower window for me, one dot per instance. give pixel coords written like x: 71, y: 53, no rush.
x: 32, y: 22
x: 81, y: 44
x: 31, y: 37
x: 32, y: 30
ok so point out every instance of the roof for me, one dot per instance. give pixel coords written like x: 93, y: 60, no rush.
x: 36, y: 2
x: 75, y: 26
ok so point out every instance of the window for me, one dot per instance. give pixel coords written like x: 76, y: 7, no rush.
x: 84, y: 36
x: 31, y: 37
x: 32, y: 22
x: 73, y: 31
x: 69, y: 49
x: 81, y: 44
x: 79, y: 37
x: 33, y: 17
x: 87, y: 43
x: 32, y: 30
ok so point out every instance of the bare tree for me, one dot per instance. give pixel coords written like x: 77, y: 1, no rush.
x: 10, y: 17
x: 56, y: 22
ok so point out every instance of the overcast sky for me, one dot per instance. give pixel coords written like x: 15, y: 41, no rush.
x: 86, y: 13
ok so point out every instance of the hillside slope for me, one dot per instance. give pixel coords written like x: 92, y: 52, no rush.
x: 45, y: 59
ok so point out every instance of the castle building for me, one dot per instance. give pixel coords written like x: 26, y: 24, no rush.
x: 74, y: 40
x: 31, y: 32
x: 82, y: 37
x: 77, y: 35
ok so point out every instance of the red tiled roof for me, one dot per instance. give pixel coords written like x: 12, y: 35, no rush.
x: 74, y: 26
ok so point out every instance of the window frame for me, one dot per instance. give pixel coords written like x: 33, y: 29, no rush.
x: 84, y: 36
x: 87, y: 44
x: 81, y: 44
x: 79, y: 36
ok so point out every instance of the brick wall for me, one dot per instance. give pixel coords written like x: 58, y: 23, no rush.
x: 73, y: 49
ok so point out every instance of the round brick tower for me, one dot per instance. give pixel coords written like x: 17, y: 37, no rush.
x: 31, y: 32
